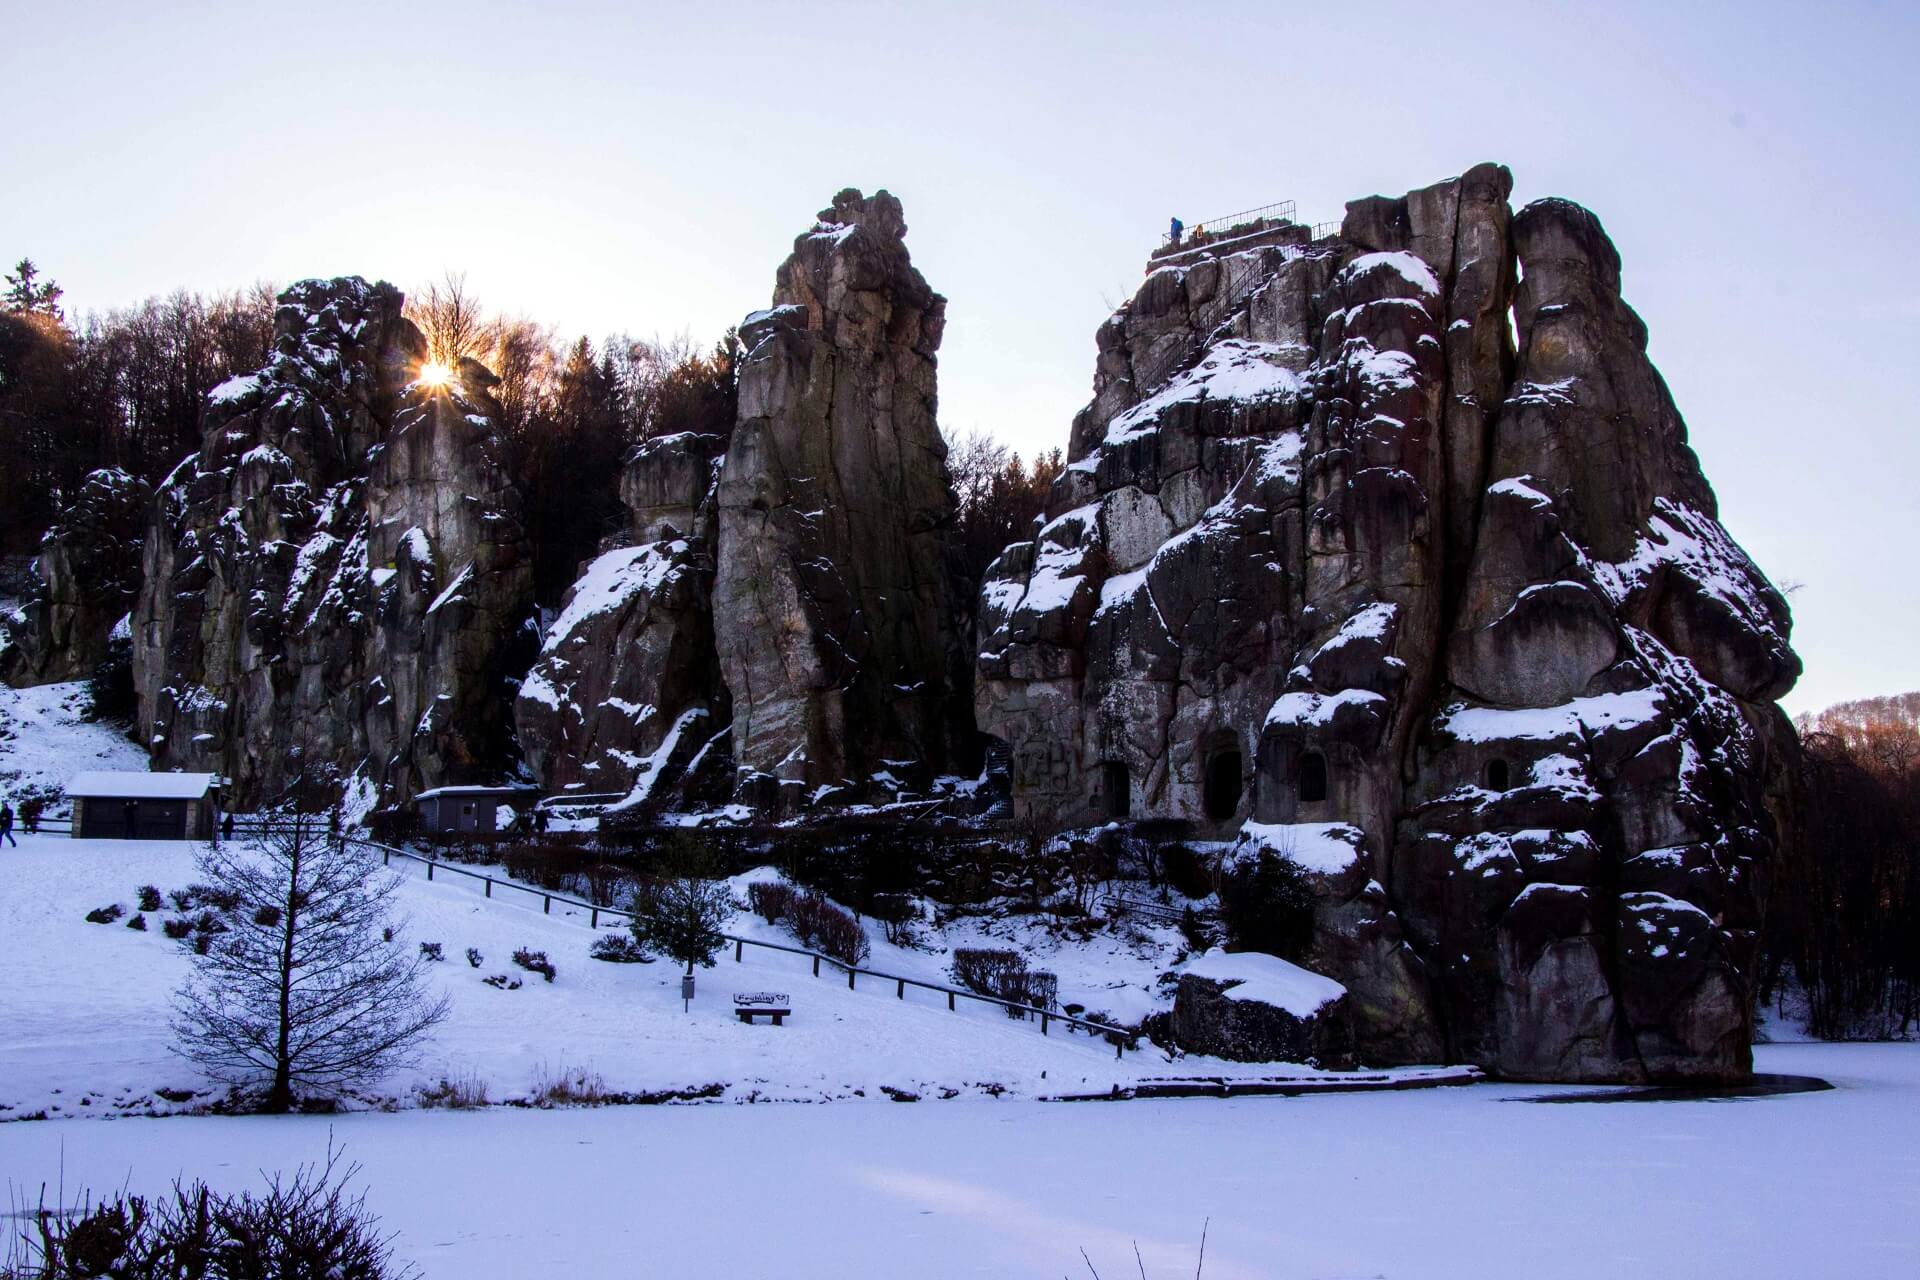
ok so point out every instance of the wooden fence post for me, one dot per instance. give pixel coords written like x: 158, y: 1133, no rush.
x: 849, y: 978
x: 546, y: 904
x: 596, y: 919
x: 429, y: 870
x: 1043, y: 1024
x: 950, y: 1005
x: 816, y: 966
x: 739, y: 949
x: 901, y: 994
x: 489, y: 880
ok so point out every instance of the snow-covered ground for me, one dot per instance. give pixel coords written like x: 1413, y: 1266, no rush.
x: 86, y: 1006
x: 1470, y: 1182
x: 44, y: 742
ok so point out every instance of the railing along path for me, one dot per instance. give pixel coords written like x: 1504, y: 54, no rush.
x: 1120, y: 1037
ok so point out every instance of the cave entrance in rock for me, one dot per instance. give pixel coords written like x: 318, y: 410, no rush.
x: 1313, y: 777
x: 1222, y: 782
x: 1116, y: 790
x: 1499, y: 777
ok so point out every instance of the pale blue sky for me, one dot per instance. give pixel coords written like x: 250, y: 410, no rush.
x: 643, y: 167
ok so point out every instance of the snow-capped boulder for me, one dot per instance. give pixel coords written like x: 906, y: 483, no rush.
x: 336, y: 583
x: 1338, y: 544
x: 86, y: 575
x: 1248, y: 1007
x: 837, y: 606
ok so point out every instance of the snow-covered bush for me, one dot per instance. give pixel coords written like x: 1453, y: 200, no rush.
x: 177, y: 929
x: 149, y: 897
x: 820, y: 924
x: 769, y: 899
x: 474, y: 958
x: 535, y: 962
x: 432, y: 952
x: 139, y: 923
x: 618, y: 948
x: 462, y: 1094
x: 1004, y: 975
x: 105, y: 915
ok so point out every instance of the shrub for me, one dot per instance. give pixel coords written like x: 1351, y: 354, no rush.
x: 619, y: 948
x: 182, y: 899
x: 896, y: 912
x: 105, y: 915
x: 176, y: 929
x: 770, y: 899
x: 432, y: 951
x: 149, y: 897
x: 818, y: 923
x: 464, y: 1094
x: 535, y: 962
x: 138, y: 922
x: 1266, y: 904
x: 983, y: 969
x: 571, y: 1087
x: 501, y: 982
x: 474, y: 957
x: 1004, y: 976
x: 304, y: 1226
x: 220, y: 899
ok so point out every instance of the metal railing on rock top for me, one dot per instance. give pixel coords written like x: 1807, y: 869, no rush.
x: 1119, y: 1037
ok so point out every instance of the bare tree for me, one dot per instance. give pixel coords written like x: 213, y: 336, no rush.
x: 307, y: 988
x: 452, y: 321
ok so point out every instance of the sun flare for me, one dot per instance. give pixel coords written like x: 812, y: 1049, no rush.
x: 435, y: 374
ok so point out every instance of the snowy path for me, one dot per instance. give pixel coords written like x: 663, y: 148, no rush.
x: 1447, y: 1183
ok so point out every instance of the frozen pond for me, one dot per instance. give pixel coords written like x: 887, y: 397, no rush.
x: 1458, y: 1182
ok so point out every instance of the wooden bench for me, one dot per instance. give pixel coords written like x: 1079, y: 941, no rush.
x: 748, y: 1005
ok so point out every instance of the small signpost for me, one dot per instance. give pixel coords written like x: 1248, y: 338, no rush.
x: 686, y: 992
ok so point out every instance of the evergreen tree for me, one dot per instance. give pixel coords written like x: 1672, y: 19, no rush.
x: 26, y: 293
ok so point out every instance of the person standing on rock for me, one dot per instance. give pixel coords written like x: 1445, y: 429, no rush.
x: 1173, y: 231
x: 6, y: 823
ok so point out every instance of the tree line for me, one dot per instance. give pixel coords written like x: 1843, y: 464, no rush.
x: 128, y: 388
x: 1843, y: 927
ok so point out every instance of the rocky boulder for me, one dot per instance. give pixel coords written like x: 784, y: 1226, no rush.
x: 1249, y: 1007
x: 86, y: 577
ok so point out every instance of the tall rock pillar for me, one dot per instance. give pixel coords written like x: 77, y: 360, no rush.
x: 836, y: 607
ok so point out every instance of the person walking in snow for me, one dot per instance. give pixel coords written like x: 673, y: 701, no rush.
x: 226, y: 827
x: 6, y: 823
x: 1173, y: 231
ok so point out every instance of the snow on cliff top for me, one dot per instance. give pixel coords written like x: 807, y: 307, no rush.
x: 1267, y: 980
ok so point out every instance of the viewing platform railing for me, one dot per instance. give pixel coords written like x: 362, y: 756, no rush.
x: 1281, y: 212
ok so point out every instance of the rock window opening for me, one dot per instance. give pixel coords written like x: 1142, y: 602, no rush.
x: 1222, y: 784
x: 1313, y: 778
x: 1498, y: 776
x: 1116, y: 790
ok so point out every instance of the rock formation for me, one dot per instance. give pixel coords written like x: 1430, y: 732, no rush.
x: 1348, y: 566
x: 336, y: 583
x: 836, y: 606
x: 626, y: 693
x: 87, y: 573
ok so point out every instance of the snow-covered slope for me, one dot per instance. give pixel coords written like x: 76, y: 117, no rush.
x: 86, y: 1006
x: 45, y: 741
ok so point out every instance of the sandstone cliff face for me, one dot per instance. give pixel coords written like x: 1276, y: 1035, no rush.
x: 626, y: 694
x: 836, y: 607
x: 88, y: 571
x: 1346, y: 568
x: 336, y: 583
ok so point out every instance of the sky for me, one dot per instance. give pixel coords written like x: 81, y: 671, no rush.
x: 644, y: 168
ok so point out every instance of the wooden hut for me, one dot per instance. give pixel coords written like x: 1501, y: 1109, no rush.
x: 144, y: 806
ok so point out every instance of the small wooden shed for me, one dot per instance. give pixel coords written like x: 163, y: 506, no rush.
x: 467, y: 810
x: 144, y: 806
